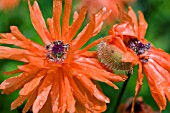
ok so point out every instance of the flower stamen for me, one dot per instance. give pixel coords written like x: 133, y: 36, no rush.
x: 139, y: 48
x: 57, y: 51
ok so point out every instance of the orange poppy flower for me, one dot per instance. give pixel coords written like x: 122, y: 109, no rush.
x: 94, y: 5
x: 58, y: 77
x: 8, y: 4
x: 140, y: 106
x: 128, y: 36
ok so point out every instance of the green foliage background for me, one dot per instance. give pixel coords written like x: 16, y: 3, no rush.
x: 157, y: 14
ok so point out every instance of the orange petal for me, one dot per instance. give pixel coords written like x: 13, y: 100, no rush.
x: 30, y: 101
x: 70, y: 99
x: 18, y: 102
x: 160, y: 60
x: 138, y: 85
x: 62, y: 94
x: 76, y: 25
x: 37, y: 23
x: 38, y: 14
x: 160, y: 52
x: 86, y: 82
x: 98, y: 106
x: 57, y: 10
x: 89, y: 54
x: 18, y: 35
x: 99, y: 18
x: 102, y: 76
x: 7, y: 36
x: 165, y: 74
x: 92, y: 44
x: 90, y: 61
x: 100, y: 72
x: 50, y: 25
x: 15, y: 42
x: 102, y: 15
x: 132, y: 14
x: 130, y: 56
x: 43, y: 92
x: 124, y: 17
x: 54, y: 93
x: 142, y: 26
x: 66, y: 17
x: 79, y: 42
x: 14, y: 83
x: 75, y: 16
x: 13, y: 72
x: 161, y: 70
x: 156, y: 85
x: 30, y: 86
x: 118, y: 42
x: 14, y: 54
x: 78, y: 95
x: 47, y: 108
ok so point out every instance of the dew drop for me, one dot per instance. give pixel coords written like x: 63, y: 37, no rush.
x: 107, y: 100
x: 41, y: 103
x: 13, y: 37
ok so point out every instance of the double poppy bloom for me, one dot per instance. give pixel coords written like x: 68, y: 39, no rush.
x: 128, y: 36
x: 8, y: 4
x: 57, y: 77
x: 94, y: 5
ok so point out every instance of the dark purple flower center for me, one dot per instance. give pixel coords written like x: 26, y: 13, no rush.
x: 138, y: 47
x: 57, y: 51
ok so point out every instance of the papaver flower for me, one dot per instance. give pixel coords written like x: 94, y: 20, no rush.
x: 129, y: 38
x: 8, y: 4
x: 57, y: 77
x: 94, y: 5
x: 140, y: 106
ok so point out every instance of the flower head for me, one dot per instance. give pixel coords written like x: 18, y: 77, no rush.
x: 140, y: 106
x: 128, y: 36
x: 58, y: 77
x: 94, y: 5
x: 8, y: 4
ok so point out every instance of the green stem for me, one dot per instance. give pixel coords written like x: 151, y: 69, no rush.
x: 120, y: 95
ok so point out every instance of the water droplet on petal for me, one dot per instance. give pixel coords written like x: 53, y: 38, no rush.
x: 107, y: 100
x: 41, y: 103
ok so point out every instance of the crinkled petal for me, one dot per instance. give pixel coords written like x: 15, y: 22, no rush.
x: 57, y: 10
x: 43, y: 92
x: 132, y: 14
x: 160, y: 59
x: 76, y: 25
x: 30, y: 101
x: 138, y: 85
x: 70, y: 98
x: 54, y: 93
x: 79, y: 96
x: 86, y: 82
x: 155, y: 81
x: 47, y: 108
x: 18, y: 101
x: 79, y: 42
x: 14, y: 83
x: 30, y: 86
x: 38, y: 22
x: 14, y: 54
x: 142, y: 26
x: 66, y: 17
x: 166, y: 75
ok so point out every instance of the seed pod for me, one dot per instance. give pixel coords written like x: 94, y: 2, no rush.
x: 110, y: 57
